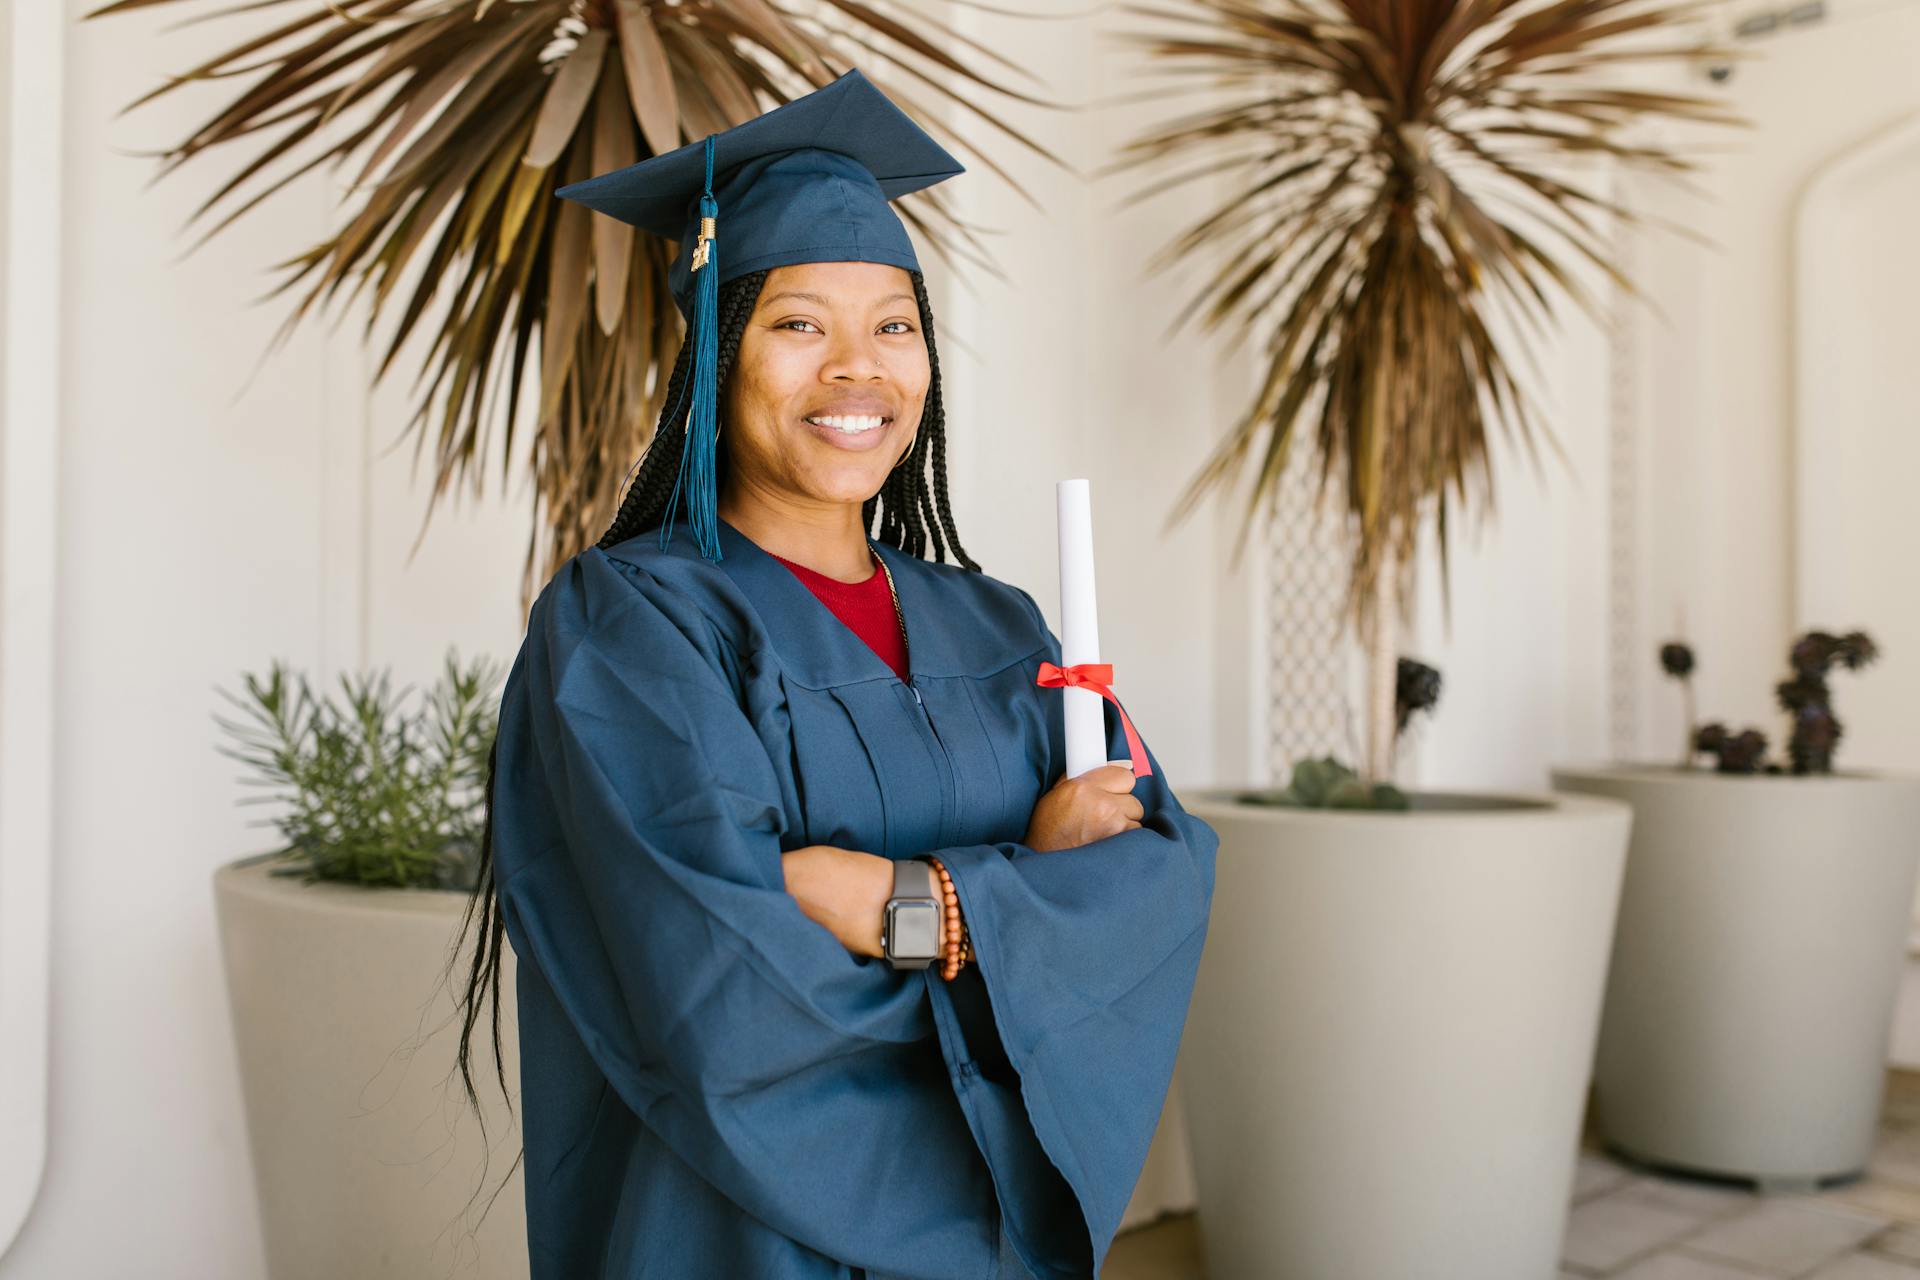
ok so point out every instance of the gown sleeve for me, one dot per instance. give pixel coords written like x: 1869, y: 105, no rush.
x: 637, y: 829
x: 1088, y: 958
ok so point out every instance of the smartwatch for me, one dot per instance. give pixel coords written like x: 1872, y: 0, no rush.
x: 910, y: 929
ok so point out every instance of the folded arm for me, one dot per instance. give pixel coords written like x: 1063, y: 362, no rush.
x: 1087, y: 957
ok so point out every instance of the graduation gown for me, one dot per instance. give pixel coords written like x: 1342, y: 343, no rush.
x: 711, y: 1084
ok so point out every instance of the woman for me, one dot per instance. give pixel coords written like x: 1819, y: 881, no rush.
x: 713, y: 782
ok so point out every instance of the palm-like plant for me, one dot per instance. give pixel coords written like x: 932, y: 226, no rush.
x: 469, y: 113
x: 1401, y: 173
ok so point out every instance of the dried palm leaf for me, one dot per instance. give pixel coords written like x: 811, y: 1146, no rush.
x: 1400, y: 171
x: 465, y: 115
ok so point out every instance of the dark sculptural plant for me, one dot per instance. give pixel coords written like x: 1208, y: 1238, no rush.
x: 1805, y: 697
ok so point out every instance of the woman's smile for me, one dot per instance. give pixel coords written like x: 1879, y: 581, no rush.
x: 855, y: 431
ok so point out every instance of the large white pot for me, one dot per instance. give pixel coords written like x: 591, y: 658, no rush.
x: 365, y: 1152
x: 1763, y: 931
x: 1386, y: 1060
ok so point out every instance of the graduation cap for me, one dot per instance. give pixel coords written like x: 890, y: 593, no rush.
x: 807, y: 182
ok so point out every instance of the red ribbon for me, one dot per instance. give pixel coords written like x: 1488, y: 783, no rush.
x: 1097, y: 676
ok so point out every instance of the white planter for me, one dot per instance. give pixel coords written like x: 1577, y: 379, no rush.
x: 1763, y: 931
x: 365, y: 1151
x: 1386, y: 1060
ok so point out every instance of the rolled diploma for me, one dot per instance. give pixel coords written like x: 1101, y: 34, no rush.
x: 1079, y: 627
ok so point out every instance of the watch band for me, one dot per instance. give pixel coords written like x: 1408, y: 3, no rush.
x: 910, y: 928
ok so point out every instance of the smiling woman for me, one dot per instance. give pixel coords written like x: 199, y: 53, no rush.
x: 833, y: 374
x: 808, y: 356
x: 826, y: 971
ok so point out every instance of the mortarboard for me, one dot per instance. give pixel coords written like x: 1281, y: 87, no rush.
x: 807, y: 182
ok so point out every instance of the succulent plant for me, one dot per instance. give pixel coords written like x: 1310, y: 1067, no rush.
x: 1744, y: 752
x: 1804, y: 696
x: 1807, y: 700
x: 1325, y: 783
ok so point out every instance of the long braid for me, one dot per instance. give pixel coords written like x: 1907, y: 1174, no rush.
x: 908, y: 512
x: 936, y: 414
x: 646, y: 501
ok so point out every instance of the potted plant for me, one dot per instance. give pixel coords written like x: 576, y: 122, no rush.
x: 1388, y: 1046
x: 1388, y: 1051
x: 336, y: 947
x: 1763, y: 931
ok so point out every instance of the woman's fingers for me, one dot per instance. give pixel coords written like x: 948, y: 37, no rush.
x: 1110, y: 777
x: 1101, y: 804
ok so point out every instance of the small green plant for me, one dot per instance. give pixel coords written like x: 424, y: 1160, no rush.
x: 374, y: 793
x: 1325, y: 783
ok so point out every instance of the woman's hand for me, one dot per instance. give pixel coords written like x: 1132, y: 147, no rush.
x: 1079, y: 810
x: 843, y: 889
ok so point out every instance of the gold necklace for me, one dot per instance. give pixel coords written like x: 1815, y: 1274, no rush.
x: 898, y: 615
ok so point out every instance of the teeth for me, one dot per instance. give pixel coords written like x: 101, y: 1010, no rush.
x: 850, y: 424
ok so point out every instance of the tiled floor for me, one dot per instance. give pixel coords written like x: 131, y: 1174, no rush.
x: 1632, y: 1224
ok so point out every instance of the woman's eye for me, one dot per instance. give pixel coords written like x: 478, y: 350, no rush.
x: 788, y: 324
x: 904, y: 326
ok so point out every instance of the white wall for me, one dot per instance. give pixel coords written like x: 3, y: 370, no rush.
x: 210, y: 519
x: 30, y: 284
x: 1680, y: 503
x: 1523, y: 656
x: 1742, y: 452
x: 1069, y: 375
x: 1716, y: 383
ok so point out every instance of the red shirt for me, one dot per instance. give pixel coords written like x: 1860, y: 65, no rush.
x: 865, y: 607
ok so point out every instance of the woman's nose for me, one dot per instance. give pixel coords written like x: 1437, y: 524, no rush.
x: 853, y: 357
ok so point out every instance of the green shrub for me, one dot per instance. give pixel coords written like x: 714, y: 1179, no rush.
x: 374, y: 794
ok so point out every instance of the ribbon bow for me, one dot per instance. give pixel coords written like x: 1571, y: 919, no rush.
x: 1097, y: 676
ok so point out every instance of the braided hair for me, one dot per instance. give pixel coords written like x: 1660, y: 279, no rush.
x: 911, y: 512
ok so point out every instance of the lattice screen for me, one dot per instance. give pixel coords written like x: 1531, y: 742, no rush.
x: 1623, y: 498
x: 1310, y: 648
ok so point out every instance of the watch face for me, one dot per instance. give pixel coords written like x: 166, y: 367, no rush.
x: 913, y: 931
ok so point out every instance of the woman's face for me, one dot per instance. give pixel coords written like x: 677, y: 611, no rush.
x: 828, y: 384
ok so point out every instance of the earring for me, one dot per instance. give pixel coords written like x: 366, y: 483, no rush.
x: 908, y: 453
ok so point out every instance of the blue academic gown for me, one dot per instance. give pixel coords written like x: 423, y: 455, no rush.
x: 711, y: 1084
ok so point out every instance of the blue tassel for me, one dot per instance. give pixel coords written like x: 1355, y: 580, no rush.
x: 697, y: 471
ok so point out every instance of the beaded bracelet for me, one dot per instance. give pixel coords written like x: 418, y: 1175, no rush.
x: 958, y: 945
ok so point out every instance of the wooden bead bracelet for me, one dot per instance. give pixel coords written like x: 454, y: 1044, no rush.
x: 956, y: 944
